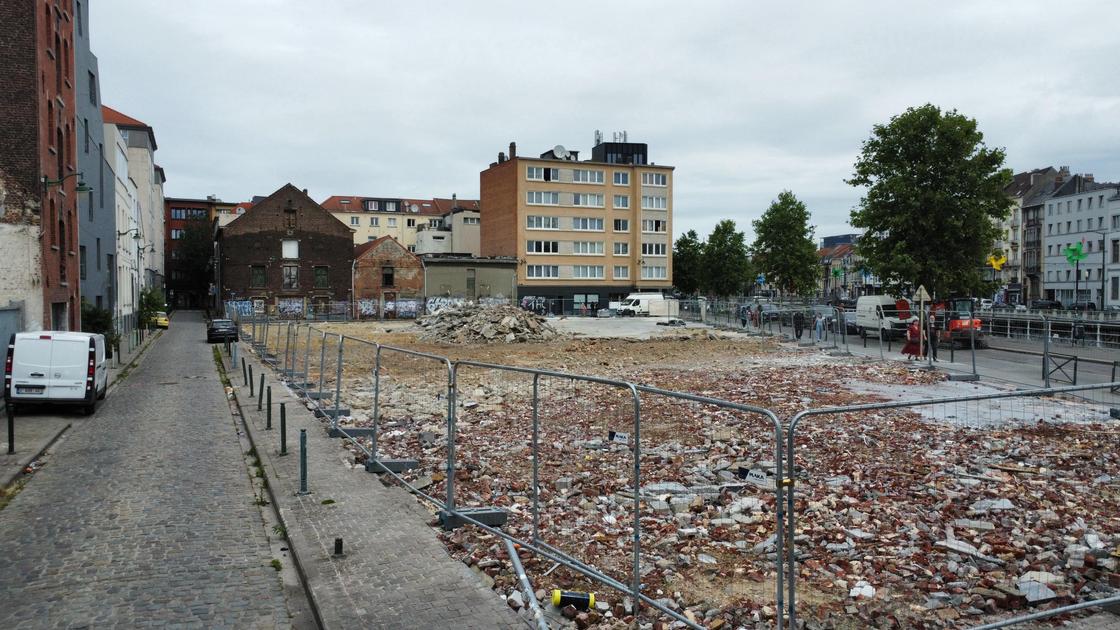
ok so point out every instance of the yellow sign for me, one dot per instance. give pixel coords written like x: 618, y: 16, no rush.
x: 997, y: 263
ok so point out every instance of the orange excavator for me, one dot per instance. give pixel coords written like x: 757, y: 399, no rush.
x: 954, y: 317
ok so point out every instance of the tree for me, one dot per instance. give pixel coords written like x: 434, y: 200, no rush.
x: 100, y: 320
x: 727, y: 268
x: 784, y: 248
x: 688, y: 259
x: 933, y: 192
x: 151, y: 302
x: 193, y: 253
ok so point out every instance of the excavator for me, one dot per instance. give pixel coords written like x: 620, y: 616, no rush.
x: 954, y: 317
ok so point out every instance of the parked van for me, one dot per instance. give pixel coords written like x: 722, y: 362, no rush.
x: 648, y: 304
x: 893, y: 314
x: 56, y: 367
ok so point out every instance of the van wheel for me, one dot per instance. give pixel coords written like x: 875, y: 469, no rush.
x: 90, y: 408
x: 101, y: 396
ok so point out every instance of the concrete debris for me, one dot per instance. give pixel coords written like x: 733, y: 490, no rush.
x: 485, y: 324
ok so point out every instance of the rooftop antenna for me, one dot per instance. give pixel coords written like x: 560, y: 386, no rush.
x: 598, y: 137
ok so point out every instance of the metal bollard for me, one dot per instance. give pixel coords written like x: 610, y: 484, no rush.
x: 283, y: 429
x: 251, y: 392
x: 303, y: 461
x: 244, y: 374
x: 260, y: 399
x: 268, y: 412
x: 11, y: 413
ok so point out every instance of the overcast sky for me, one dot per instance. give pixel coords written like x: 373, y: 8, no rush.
x: 414, y: 99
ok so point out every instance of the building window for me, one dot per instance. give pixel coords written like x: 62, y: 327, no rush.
x: 654, y: 225
x: 542, y: 271
x: 621, y: 178
x: 386, y: 276
x: 588, y: 248
x: 1115, y: 288
x: 373, y: 222
x: 86, y: 123
x: 82, y: 262
x: 99, y: 254
x: 587, y: 224
x: 92, y: 89
x: 536, y: 222
x: 621, y: 248
x: 289, y: 249
x: 655, y: 179
x: 410, y: 223
x: 471, y: 281
x: 585, y: 176
x: 621, y: 272
x: 542, y: 247
x: 177, y: 233
x: 542, y: 198
x: 584, y: 199
x: 369, y: 205
x: 390, y: 206
x: 654, y: 203
x: 622, y: 202
x: 436, y: 223
x: 589, y: 272
x: 654, y: 272
x: 322, y: 278
x: 653, y: 249
x: 354, y: 220
x: 541, y: 174
x: 392, y: 221
x: 470, y: 220
x: 291, y: 277
x: 1116, y: 250
x: 622, y: 225
x: 256, y: 276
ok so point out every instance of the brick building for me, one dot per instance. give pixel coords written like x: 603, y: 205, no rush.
x: 185, y: 289
x: 385, y: 271
x: 38, y: 167
x: 287, y: 252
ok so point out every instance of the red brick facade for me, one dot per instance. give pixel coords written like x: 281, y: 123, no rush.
x: 385, y: 270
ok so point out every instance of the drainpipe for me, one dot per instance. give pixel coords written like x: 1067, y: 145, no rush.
x: 353, y: 295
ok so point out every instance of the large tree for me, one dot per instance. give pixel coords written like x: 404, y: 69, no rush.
x: 784, y: 248
x: 688, y: 253
x: 194, y: 251
x: 727, y: 267
x: 933, y: 191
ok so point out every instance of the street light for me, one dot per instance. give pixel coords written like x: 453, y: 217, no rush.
x: 1103, y: 236
x: 82, y: 186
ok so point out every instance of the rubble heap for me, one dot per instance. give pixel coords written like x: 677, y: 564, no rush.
x: 485, y: 324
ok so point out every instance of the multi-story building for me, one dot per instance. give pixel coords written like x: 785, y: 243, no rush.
x: 39, y: 173
x: 187, y: 285
x: 1033, y: 212
x: 583, y: 232
x: 456, y: 231
x: 1010, y: 241
x: 1087, y: 212
x: 370, y: 218
x: 96, y: 208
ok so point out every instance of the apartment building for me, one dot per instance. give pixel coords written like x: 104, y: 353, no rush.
x: 588, y: 232
x: 1011, y: 239
x: 1087, y: 212
x: 370, y: 218
x: 456, y: 231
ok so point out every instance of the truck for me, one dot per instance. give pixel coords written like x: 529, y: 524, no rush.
x: 653, y: 304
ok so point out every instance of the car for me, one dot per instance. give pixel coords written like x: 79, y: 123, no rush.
x: 986, y: 304
x: 1083, y: 305
x: 219, y: 330
x: 1046, y: 305
x: 161, y: 320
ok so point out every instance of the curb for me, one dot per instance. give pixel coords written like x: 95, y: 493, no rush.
x: 11, y: 479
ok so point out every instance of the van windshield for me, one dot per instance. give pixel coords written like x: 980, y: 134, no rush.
x: 629, y: 302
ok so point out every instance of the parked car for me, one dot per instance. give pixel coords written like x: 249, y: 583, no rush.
x: 219, y: 330
x: 1083, y: 306
x: 1046, y: 305
x: 56, y: 367
x: 161, y: 320
x: 986, y: 304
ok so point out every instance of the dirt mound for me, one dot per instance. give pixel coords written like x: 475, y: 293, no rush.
x: 485, y: 324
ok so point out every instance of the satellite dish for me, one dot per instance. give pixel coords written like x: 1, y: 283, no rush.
x: 560, y: 152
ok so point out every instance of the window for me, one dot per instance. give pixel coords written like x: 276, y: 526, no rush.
x: 541, y: 174
x: 435, y: 223
x: 653, y: 249
x: 1049, y: 209
x: 373, y: 222
x: 542, y: 198
x: 390, y: 206
x: 87, y: 134
x: 289, y: 249
x: 1116, y: 221
x: 256, y: 276
x: 536, y: 222
x: 82, y: 262
x: 1115, y: 288
x: 585, y: 176
x: 177, y: 234
x: 322, y: 280
x: 654, y: 225
x: 622, y: 225
x: 654, y: 203
x: 542, y: 271
x: 78, y: 18
x: 392, y: 221
x: 99, y: 254
x: 1079, y: 205
x: 410, y: 223
x: 584, y: 199
x: 621, y: 272
x: 621, y: 178
x: 593, y: 272
x: 354, y: 220
x: 587, y: 223
x: 370, y: 205
x: 588, y: 248
x: 621, y: 248
x: 291, y: 277
x: 386, y: 276
x: 1089, y: 206
x: 655, y: 179
x: 622, y: 201
x: 654, y: 273
x: 371, y: 238
x: 471, y: 220
x: 542, y: 247
x: 92, y: 89
x: 1116, y: 250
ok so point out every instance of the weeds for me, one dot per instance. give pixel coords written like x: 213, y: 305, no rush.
x: 276, y: 564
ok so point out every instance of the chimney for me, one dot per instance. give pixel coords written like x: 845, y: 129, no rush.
x: 1089, y: 178
x: 305, y: 191
x: 512, y: 150
x: 501, y: 157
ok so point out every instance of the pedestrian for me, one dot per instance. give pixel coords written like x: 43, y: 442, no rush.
x: 819, y: 325
x: 913, y: 335
x: 744, y: 312
x: 931, y: 336
x: 798, y: 324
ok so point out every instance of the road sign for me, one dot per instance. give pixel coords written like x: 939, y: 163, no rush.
x: 922, y: 295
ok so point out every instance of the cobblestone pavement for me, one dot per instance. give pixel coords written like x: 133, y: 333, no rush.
x: 144, y: 516
x: 395, y: 573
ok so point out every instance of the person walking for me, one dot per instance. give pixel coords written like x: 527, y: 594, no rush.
x: 819, y: 326
x: 798, y: 324
x: 913, y: 335
x: 931, y: 336
x: 744, y: 313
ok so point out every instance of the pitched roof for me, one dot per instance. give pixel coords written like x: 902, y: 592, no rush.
x: 447, y: 205
x: 1021, y: 183
x: 836, y: 251
x: 113, y: 117
x: 334, y: 203
x: 362, y: 249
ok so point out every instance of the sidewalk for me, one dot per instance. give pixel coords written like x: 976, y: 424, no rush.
x: 394, y: 573
x: 36, y: 431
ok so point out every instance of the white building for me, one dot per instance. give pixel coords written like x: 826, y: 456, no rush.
x: 1083, y: 211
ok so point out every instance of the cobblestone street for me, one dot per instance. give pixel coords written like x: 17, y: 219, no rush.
x: 144, y: 515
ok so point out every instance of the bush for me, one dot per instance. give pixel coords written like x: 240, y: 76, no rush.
x: 151, y: 302
x: 100, y: 320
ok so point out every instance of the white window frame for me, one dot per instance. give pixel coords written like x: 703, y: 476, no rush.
x: 625, y: 272
x: 586, y: 176
x: 655, y: 272
x: 355, y: 220
x: 542, y: 198
x: 374, y: 222
x: 655, y: 249
x: 534, y: 173
x: 626, y: 223
x: 588, y: 272
x: 660, y: 180
x: 587, y: 200
x: 587, y: 248
x: 649, y: 226
x: 586, y: 224
x: 546, y: 222
x: 392, y: 222
x: 289, y: 249
x: 621, y: 178
x: 542, y: 271
x: 542, y: 247
x: 621, y: 248
x: 622, y: 202
x: 655, y: 202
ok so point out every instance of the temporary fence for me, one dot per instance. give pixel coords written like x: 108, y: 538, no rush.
x: 1099, y: 330
x: 889, y: 497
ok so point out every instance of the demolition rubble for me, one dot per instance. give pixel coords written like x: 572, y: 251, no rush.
x: 902, y: 520
x: 485, y: 324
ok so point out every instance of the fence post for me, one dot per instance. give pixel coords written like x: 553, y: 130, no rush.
x: 322, y: 360
x: 260, y: 398
x: 303, y: 461
x: 376, y: 404
x: 268, y: 409
x: 536, y: 456
x: 881, y: 356
x: 450, y: 503
x: 1046, y: 352
x: 251, y: 394
x: 337, y: 385
x: 287, y: 345
x: 244, y: 374
x: 306, y: 359
x: 972, y: 338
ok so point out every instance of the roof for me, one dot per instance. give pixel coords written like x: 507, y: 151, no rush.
x: 1021, y: 183
x: 113, y: 117
x: 362, y: 249
x: 429, y: 207
x: 1077, y: 185
x: 447, y: 205
x: 838, y: 251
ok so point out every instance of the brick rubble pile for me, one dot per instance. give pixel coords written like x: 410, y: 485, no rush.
x: 485, y: 324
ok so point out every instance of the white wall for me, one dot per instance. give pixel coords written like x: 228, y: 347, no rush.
x: 20, y: 281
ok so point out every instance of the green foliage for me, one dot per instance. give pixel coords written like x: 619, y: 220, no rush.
x: 784, y: 248
x: 99, y: 320
x: 151, y: 302
x: 727, y: 267
x: 194, y: 252
x: 688, y: 260
x: 933, y: 190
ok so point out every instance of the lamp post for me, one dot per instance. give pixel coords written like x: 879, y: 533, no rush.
x: 82, y: 186
x: 1103, y: 236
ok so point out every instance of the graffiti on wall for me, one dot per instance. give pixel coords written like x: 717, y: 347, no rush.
x: 367, y: 308
x: 243, y: 308
x: 402, y: 308
x: 496, y: 300
x: 290, y: 307
x: 442, y: 303
x: 535, y: 304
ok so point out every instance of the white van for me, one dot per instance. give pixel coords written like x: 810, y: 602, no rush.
x: 643, y: 304
x: 893, y: 314
x: 56, y: 367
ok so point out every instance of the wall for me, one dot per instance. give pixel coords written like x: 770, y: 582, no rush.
x: 445, y: 279
x: 499, y: 197
x: 19, y: 279
x: 408, y: 273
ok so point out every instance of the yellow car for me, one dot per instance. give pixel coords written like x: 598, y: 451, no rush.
x: 161, y: 319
